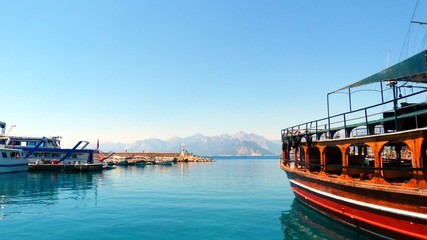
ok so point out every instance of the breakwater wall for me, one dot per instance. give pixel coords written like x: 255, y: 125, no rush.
x: 176, y: 156
x: 148, y: 155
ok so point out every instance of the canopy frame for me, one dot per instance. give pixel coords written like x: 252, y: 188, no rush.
x: 413, y: 69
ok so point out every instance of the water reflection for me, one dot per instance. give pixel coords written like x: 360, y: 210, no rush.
x: 302, y: 222
x: 19, y: 191
x: 137, y: 169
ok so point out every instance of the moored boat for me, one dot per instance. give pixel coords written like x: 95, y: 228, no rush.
x: 164, y: 161
x: 46, y: 153
x: 368, y: 167
x: 12, y: 160
x: 119, y: 160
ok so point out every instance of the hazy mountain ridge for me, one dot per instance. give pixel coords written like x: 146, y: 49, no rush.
x: 239, y: 144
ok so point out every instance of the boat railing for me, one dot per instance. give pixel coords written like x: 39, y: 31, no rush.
x: 367, y: 118
x: 338, y: 169
x: 32, y: 150
x: 73, y: 150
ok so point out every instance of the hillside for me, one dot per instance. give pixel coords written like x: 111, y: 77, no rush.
x: 239, y: 144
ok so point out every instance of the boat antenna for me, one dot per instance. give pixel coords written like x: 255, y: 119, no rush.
x: 381, y: 83
x: 418, y: 22
x: 406, y: 42
x: 10, y: 129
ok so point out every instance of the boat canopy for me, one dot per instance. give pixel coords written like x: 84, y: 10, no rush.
x: 413, y: 69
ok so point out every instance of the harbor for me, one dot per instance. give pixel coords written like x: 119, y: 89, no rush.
x: 28, y: 153
x: 213, y: 120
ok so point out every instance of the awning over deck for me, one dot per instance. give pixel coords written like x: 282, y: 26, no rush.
x: 413, y: 69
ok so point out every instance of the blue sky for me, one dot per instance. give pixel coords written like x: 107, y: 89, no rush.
x: 122, y: 71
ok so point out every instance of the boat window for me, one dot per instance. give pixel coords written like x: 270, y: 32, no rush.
x: 339, y: 134
x: 4, y: 155
x: 12, y: 154
x: 359, y: 131
x: 32, y: 143
x: 3, y: 141
x: 55, y: 155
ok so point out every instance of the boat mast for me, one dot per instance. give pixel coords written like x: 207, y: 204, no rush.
x: 381, y: 83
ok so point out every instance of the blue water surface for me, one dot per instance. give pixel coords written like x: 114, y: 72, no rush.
x: 232, y: 198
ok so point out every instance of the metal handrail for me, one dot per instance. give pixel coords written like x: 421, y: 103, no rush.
x: 328, y: 123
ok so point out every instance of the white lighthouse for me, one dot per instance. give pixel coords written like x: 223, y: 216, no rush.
x: 183, y: 151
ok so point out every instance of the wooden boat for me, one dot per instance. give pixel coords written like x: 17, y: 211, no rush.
x: 368, y: 167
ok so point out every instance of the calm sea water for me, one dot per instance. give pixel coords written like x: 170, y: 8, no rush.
x: 232, y: 198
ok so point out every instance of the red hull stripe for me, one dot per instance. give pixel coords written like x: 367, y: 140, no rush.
x: 363, y: 204
x: 373, y: 227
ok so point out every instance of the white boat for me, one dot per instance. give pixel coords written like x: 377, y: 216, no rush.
x: 12, y: 160
x: 45, y: 153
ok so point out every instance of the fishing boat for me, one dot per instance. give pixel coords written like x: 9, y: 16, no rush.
x: 367, y: 167
x: 120, y: 160
x: 167, y: 161
x: 140, y: 160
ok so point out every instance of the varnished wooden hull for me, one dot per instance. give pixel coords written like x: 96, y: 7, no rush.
x: 380, y: 210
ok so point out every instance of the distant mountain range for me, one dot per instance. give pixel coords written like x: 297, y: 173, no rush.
x: 239, y: 144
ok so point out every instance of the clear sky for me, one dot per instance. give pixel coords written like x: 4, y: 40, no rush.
x: 122, y: 71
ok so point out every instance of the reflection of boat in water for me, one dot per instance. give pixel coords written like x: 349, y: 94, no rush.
x: 333, y: 169
x: 20, y: 189
x: 42, y: 184
x: 302, y: 222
